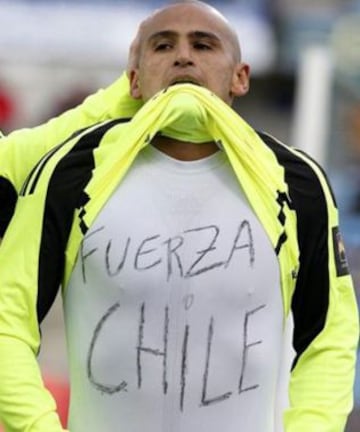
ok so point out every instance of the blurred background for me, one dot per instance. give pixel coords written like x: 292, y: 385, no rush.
x: 305, y: 61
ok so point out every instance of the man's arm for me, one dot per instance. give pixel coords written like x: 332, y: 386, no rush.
x: 32, y: 260
x: 326, y: 320
x: 22, y: 149
x: 25, y: 405
x: 324, y: 309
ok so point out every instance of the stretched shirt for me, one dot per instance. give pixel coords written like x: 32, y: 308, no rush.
x: 291, y: 198
x: 173, y: 310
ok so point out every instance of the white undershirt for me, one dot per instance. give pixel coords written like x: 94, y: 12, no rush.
x: 174, y: 312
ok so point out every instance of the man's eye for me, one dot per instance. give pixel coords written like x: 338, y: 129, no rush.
x: 163, y: 46
x: 202, y: 46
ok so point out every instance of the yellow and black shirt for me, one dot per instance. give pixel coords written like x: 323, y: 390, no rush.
x: 65, y: 190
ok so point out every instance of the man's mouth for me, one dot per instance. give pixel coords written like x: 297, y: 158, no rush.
x: 184, y: 80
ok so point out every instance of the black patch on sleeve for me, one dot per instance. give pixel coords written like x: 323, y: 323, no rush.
x: 341, y: 263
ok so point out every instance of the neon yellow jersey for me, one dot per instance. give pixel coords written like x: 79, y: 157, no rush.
x: 21, y: 150
x: 66, y: 189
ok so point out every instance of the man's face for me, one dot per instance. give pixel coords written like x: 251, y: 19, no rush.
x: 188, y: 43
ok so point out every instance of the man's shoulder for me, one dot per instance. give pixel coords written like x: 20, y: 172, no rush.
x: 305, y: 176
x: 97, y: 130
x: 285, y: 154
x: 293, y: 160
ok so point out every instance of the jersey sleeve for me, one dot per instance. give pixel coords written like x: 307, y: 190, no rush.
x: 21, y: 150
x: 25, y: 404
x: 326, y: 318
x: 32, y: 262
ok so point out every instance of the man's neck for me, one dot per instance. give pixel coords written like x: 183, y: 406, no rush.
x: 184, y: 151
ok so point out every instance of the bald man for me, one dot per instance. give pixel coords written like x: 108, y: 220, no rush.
x: 183, y: 240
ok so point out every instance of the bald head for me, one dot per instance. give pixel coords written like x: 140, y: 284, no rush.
x: 188, y: 5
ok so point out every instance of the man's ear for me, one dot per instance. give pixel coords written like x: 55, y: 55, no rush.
x: 135, y: 90
x: 241, y: 80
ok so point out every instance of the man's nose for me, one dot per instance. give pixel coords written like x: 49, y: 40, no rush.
x: 183, y: 56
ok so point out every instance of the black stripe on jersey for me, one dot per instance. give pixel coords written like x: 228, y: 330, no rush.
x: 38, y: 168
x: 40, y: 165
x: 8, y: 198
x: 311, y: 297
x: 65, y: 191
x: 28, y: 178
